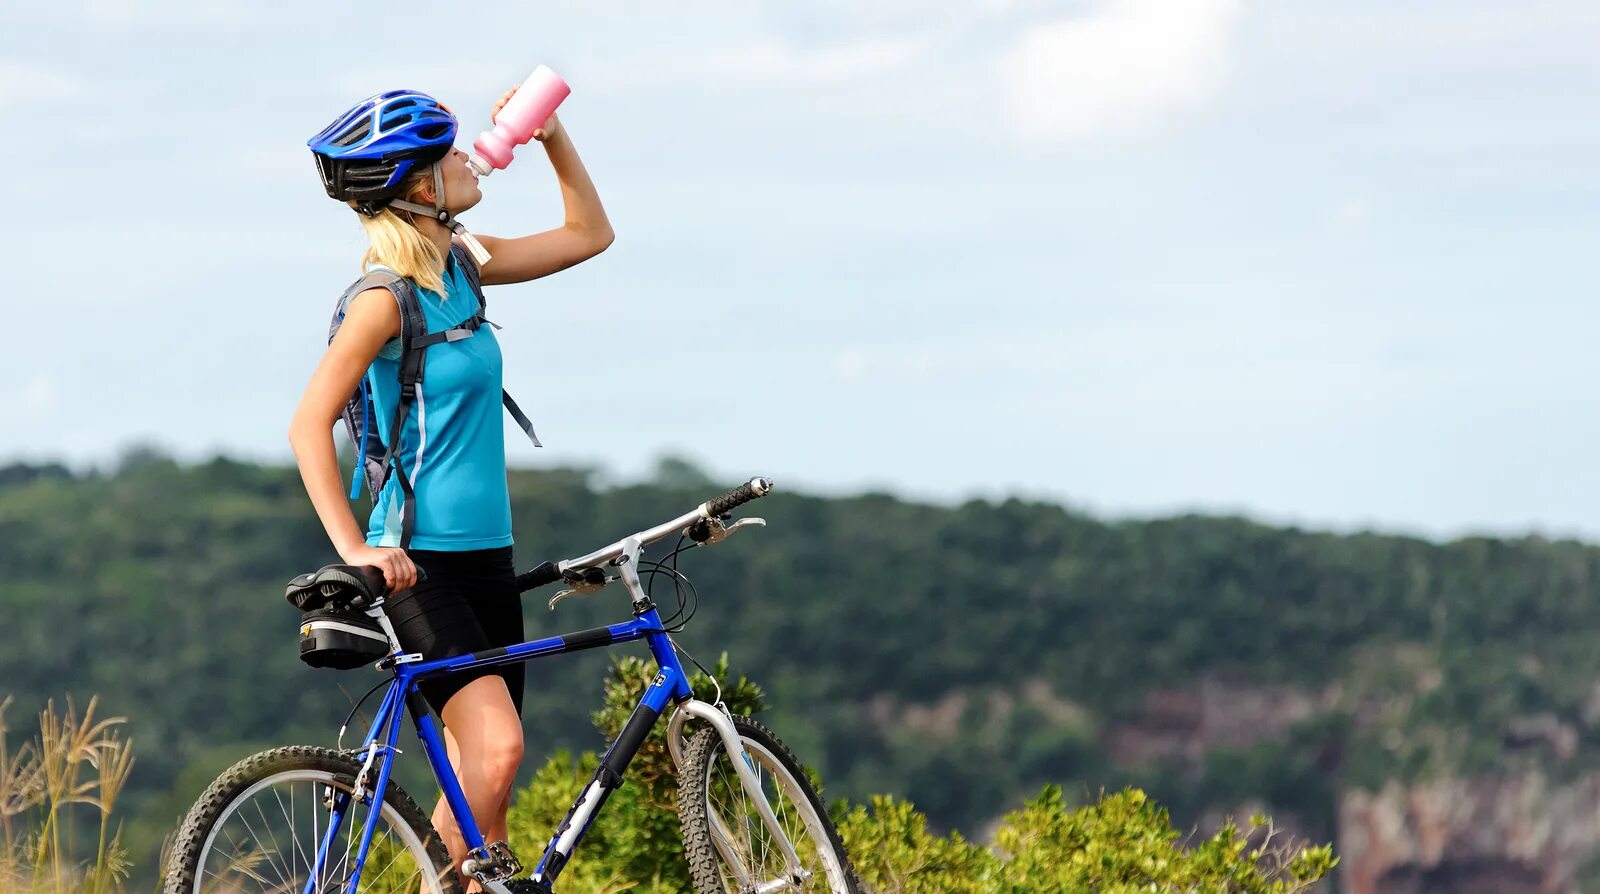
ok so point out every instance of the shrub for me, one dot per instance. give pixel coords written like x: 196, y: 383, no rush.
x: 1120, y: 845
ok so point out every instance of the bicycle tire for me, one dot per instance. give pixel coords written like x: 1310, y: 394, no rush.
x: 699, y: 784
x: 186, y: 865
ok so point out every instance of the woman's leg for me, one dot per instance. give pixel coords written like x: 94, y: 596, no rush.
x: 497, y: 828
x: 483, y: 736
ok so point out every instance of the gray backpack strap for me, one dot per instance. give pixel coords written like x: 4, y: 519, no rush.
x: 382, y: 278
x: 519, y: 416
x: 413, y: 329
x: 360, y: 410
x: 470, y: 268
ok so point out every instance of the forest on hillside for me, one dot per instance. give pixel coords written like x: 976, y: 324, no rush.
x: 957, y: 656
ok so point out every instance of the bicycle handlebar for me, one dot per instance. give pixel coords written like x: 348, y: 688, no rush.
x: 550, y: 572
x: 733, y: 499
x: 541, y: 574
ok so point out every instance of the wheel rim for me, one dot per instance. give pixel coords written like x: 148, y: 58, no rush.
x: 750, y: 842
x: 266, y: 840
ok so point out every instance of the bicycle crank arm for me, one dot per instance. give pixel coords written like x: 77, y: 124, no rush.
x: 516, y: 886
x: 519, y: 886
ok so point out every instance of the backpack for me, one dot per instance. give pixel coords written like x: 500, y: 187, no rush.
x: 373, y: 462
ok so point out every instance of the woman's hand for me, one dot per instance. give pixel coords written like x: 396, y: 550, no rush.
x: 399, y: 573
x: 552, y: 125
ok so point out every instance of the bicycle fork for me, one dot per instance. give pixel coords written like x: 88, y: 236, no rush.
x: 722, y: 835
x: 365, y: 790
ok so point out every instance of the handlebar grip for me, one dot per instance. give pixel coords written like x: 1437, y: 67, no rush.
x: 544, y: 573
x: 378, y: 582
x: 744, y: 493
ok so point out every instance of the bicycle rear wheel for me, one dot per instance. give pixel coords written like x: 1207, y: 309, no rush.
x: 258, y: 827
x: 729, y: 848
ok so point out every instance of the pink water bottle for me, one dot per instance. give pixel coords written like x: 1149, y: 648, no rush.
x: 526, y: 112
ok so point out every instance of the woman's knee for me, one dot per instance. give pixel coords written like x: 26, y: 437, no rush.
x: 487, y: 730
x: 500, y: 761
x: 498, y: 756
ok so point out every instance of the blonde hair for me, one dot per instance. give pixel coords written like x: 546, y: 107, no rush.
x: 396, y: 243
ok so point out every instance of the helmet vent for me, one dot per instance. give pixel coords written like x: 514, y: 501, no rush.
x: 355, y: 134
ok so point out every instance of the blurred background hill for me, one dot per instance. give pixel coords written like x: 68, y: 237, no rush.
x: 1431, y: 707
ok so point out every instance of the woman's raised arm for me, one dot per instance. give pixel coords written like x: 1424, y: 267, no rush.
x: 585, y: 233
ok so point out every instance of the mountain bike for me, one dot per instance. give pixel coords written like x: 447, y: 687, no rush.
x: 311, y: 819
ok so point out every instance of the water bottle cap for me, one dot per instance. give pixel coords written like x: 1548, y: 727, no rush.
x: 478, y: 164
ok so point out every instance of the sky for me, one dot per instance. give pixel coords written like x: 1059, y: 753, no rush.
x: 1323, y: 264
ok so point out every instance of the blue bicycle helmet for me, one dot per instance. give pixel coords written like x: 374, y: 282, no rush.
x: 365, y: 155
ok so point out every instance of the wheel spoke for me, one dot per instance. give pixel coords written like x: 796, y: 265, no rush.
x: 295, y: 851
x: 244, y: 853
x: 245, y: 859
x: 736, y: 814
x: 316, y: 839
x: 760, y: 823
x: 759, y: 847
x: 287, y: 874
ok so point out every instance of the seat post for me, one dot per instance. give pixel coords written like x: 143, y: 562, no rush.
x: 376, y: 613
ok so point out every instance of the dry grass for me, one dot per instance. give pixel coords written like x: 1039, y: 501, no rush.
x: 74, y: 765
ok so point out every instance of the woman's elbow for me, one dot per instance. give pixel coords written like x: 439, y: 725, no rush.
x: 301, y: 427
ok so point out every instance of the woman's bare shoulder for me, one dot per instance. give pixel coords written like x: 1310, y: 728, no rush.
x: 371, y: 313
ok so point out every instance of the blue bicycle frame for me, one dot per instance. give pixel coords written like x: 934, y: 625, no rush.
x: 670, y: 684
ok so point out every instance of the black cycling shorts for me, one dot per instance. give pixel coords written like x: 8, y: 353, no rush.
x: 468, y: 602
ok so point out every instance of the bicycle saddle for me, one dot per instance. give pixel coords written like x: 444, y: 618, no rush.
x: 336, y: 585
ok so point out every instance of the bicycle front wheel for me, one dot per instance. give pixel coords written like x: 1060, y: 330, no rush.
x: 262, y: 827
x: 729, y: 847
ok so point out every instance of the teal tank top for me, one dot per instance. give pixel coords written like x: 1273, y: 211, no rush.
x: 453, y: 444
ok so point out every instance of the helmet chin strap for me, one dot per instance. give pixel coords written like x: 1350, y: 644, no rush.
x: 438, y: 213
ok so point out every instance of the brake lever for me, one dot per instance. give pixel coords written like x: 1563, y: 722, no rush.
x: 582, y: 588
x: 716, y: 531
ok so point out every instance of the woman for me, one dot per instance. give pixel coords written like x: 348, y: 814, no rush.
x: 391, y: 157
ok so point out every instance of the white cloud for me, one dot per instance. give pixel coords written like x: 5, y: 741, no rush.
x: 38, y: 395
x: 24, y: 83
x: 775, y: 62
x: 852, y: 364
x: 764, y: 64
x: 169, y: 14
x: 1010, y: 356
x: 451, y: 82
x: 1454, y: 30
x: 1118, y: 69
x: 268, y: 165
x: 1352, y: 214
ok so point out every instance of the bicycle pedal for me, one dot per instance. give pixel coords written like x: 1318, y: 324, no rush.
x: 527, y: 886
